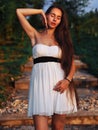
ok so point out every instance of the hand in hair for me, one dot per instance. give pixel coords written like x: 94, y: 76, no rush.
x: 44, y: 19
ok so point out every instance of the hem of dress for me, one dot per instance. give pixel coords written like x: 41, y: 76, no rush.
x: 46, y: 114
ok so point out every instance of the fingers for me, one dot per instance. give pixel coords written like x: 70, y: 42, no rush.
x: 44, y: 20
x: 59, y: 89
x: 46, y: 25
x: 59, y: 83
x: 58, y: 86
x: 61, y: 86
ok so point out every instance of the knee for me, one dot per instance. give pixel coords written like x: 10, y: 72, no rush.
x: 57, y: 125
x: 58, y: 122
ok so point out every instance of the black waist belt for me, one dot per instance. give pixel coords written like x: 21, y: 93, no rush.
x: 46, y: 59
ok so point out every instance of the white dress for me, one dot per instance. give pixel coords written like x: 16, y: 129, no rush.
x: 43, y: 100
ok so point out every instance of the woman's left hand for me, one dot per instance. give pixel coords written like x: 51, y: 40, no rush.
x: 61, y: 86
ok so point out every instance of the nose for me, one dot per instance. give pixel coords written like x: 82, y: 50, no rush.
x: 55, y: 18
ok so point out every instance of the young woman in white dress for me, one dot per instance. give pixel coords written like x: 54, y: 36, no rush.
x: 51, y: 92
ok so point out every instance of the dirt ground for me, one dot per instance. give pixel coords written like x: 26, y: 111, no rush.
x: 68, y: 127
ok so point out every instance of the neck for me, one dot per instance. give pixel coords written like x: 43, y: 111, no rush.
x: 50, y: 32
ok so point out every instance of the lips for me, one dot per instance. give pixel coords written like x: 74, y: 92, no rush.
x: 53, y: 24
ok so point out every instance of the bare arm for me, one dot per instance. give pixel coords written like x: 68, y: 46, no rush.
x: 62, y: 85
x: 22, y: 13
x: 72, y: 71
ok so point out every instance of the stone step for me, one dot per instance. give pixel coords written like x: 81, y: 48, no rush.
x: 22, y: 94
x: 79, y: 118
x: 23, y: 82
x: 18, y: 102
x: 81, y: 79
x: 28, y: 66
x: 80, y: 65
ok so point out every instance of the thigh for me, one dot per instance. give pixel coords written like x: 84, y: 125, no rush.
x: 40, y: 122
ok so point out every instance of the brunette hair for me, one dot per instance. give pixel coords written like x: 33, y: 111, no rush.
x: 63, y: 38
x: 62, y: 35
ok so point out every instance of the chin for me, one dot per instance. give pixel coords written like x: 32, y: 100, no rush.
x: 51, y: 27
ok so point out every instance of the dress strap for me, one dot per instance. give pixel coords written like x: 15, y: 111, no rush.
x: 46, y: 59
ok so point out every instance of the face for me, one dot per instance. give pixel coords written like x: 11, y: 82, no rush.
x: 54, y: 18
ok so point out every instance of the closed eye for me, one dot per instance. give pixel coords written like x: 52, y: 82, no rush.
x: 54, y: 15
x: 59, y: 18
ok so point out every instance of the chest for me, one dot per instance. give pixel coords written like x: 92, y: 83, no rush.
x: 47, y: 40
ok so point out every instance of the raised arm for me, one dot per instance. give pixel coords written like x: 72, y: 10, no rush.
x: 22, y: 13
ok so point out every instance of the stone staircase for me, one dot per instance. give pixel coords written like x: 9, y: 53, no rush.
x: 85, y: 83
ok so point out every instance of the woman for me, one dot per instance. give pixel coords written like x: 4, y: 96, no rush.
x: 51, y: 92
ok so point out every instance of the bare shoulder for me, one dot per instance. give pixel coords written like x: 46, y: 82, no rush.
x: 36, y: 37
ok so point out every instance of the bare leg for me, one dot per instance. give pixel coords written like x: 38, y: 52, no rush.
x: 40, y: 122
x: 58, y: 122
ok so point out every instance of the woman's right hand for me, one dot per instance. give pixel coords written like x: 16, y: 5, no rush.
x: 44, y: 19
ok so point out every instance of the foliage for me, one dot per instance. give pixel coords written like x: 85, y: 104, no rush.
x: 8, y: 18
x: 87, y: 43
x: 89, y: 23
x: 87, y: 49
x: 14, y: 56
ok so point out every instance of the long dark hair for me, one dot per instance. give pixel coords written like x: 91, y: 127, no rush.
x: 62, y: 36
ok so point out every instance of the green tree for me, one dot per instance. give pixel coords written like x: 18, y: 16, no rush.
x: 8, y: 18
x: 89, y: 23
